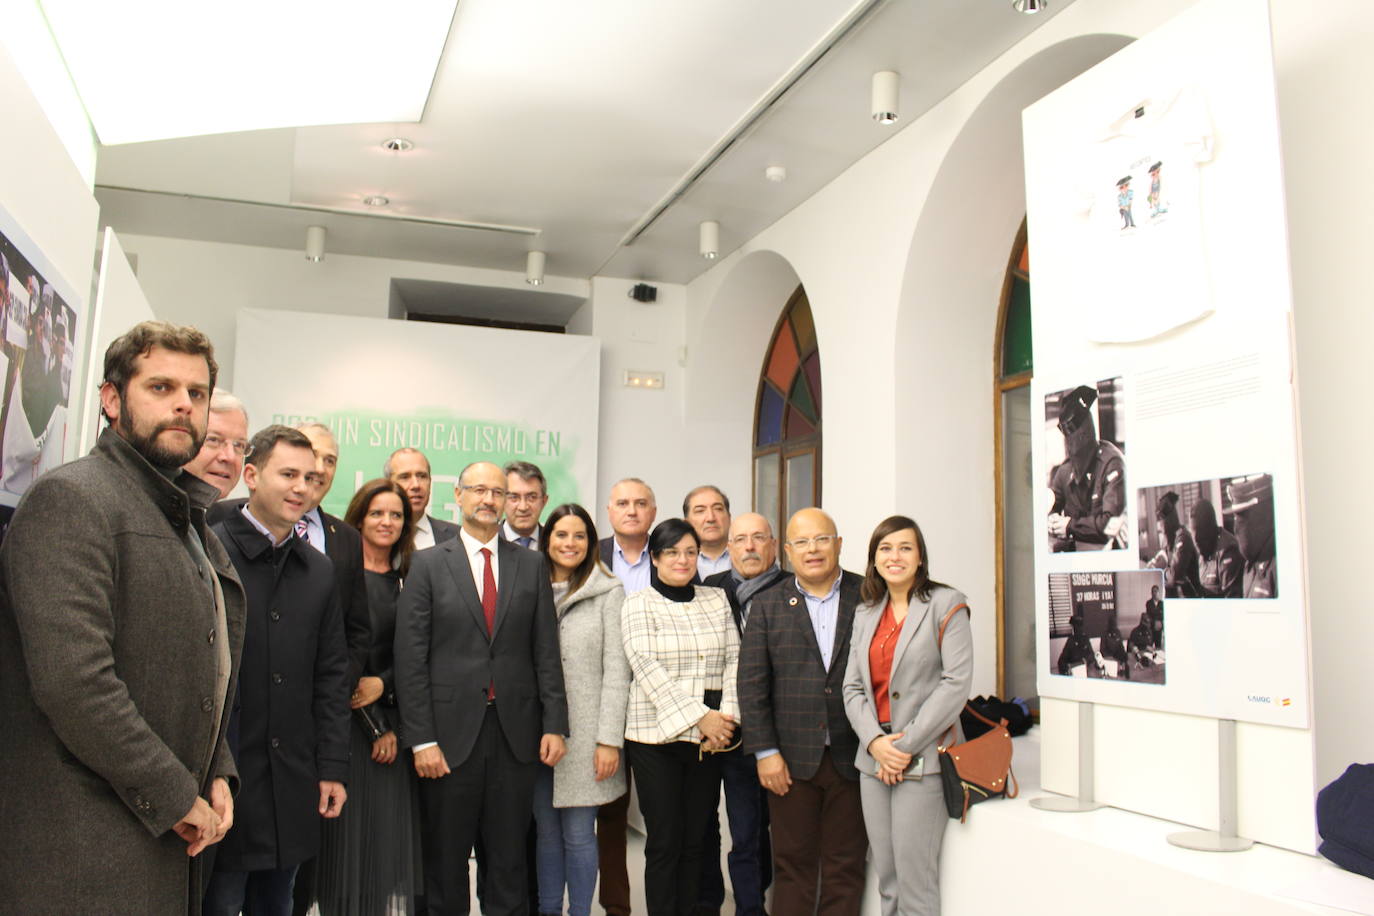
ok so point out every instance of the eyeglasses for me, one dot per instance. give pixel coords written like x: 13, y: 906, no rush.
x: 482, y: 492
x: 757, y: 538
x: 821, y: 541
x: 530, y: 498
x: 672, y: 553
x: 214, y: 443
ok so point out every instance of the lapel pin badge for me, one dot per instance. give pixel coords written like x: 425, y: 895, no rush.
x: 792, y: 601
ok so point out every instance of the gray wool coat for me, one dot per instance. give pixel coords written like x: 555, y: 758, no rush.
x: 108, y: 687
x: 596, y: 677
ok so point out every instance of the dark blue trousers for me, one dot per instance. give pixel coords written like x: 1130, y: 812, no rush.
x: 751, y: 854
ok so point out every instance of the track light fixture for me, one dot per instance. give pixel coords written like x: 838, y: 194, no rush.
x: 886, y: 84
x: 1029, y: 7
x: 710, y: 239
x: 314, y: 243
x: 534, y: 268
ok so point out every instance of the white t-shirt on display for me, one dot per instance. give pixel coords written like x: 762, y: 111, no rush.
x: 1144, y: 264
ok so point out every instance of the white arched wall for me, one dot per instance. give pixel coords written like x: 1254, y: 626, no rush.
x: 726, y: 345
x: 946, y: 328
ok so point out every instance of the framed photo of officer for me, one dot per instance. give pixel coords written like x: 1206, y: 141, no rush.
x: 1086, y: 455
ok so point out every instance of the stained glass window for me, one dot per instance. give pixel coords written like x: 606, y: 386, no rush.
x: 787, y: 421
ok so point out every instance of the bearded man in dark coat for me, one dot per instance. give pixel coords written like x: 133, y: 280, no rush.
x: 121, y: 622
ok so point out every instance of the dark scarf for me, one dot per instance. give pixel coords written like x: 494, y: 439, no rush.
x: 680, y: 593
x: 746, y: 589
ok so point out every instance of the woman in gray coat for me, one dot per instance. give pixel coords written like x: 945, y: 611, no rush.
x: 903, y: 690
x: 596, y: 677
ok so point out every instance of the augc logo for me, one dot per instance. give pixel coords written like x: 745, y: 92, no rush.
x: 1268, y: 700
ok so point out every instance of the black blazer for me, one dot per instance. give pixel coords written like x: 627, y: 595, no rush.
x: 443, y: 531
x: 607, y: 546
x: 289, y: 727
x: 725, y: 581
x: 787, y: 699
x: 445, y: 660
x: 344, y: 547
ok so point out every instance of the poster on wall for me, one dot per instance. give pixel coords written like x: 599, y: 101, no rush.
x: 457, y: 393
x: 1086, y: 457
x: 1108, y: 625
x: 1212, y: 538
x: 39, y: 317
x: 1163, y: 305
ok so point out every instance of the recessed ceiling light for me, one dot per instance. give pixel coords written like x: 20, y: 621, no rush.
x: 398, y: 145
x: 376, y: 200
x: 775, y: 173
x: 1029, y: 7
x: 313, y: 76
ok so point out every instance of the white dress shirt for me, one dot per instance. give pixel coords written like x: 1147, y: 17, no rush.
x: 709, y: 567
x: 424, y: 532
x: 473, y: 548
x: 514, y: 536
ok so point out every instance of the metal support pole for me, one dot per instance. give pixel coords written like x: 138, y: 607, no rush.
x: 1087, y: 777
x: 1224, y: 838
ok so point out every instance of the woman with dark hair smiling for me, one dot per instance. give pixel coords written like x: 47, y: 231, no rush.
x: 683, y: 650
x: 910, y: 667
x: 366, y: 865
x: 588, y: 600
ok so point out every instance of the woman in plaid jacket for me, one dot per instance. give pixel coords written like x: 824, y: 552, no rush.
x: 683, y: 649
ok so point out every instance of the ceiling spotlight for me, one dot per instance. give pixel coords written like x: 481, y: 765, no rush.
x: 314, y: 243
x: 775, y: 173
x: 376, y: 200
x: 885, y: 86
x: 1029, y: 7
x: 398, y: 145
x: 534, y: 268
x: 710, y: 239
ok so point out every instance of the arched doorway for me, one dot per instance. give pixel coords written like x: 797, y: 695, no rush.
x: 787, y: 418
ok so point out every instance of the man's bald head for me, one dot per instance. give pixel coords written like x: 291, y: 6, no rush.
x: 753, y: 549
x: 813, y: 548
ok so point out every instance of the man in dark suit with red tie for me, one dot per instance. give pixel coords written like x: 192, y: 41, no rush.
x: 479, y: 681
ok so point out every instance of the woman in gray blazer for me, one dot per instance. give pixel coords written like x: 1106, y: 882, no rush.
x: 596, y: 677
x: 903, y: 691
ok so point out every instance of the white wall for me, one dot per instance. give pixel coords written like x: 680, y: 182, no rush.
x: 903, y: 257
x: 49, y: 197
x: 642, y: 431
x: 1323, y: 69
x: 206, y: 283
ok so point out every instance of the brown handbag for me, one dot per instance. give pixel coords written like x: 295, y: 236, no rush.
x: 976, y: 770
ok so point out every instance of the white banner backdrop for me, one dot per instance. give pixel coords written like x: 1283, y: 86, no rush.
x: 457, y: 393
x: 1162, y: 305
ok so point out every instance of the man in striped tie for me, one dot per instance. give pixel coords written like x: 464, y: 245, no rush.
x: 527, y: 493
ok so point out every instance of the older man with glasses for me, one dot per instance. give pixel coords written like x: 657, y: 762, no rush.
x: 791, y: 674
x: 220, y: 459
x: 753, y: 557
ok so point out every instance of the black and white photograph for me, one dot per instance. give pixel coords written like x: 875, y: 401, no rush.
x: 1108, y: 625
x: 37, y: 350
x: 1085, y: 445
x: 1211, y: 538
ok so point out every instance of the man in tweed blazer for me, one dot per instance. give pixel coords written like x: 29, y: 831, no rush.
x: 791, y: 677
x: 121, y: 621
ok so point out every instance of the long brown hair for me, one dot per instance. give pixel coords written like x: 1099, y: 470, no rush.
x: 362, y: 501
x: 583, y: 572
x: 874, y: 586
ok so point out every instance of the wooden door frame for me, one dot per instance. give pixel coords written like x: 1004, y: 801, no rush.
x: 1000, y: 386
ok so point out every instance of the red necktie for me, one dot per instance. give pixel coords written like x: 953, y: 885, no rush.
x: 489, y: 605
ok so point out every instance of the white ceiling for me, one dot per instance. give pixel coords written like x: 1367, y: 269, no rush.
x: 577, y: 120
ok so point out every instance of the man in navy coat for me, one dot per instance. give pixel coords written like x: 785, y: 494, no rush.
x: 290, y: 728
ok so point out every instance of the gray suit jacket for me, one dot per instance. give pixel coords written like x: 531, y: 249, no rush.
x: 443, y: 531
x: 108, y: 687
x: 445, y: 659
x: 928, y: 687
